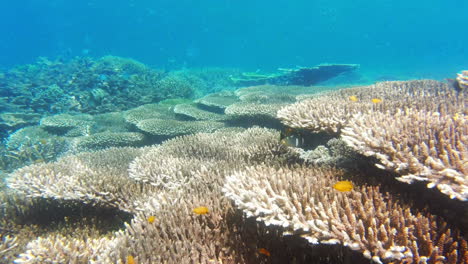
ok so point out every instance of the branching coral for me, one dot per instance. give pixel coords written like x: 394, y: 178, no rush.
x: 417, y: 129
x: 177, y: 235
x: 96, y: 178
x: 419, y: 145
x: 330, y: 112
x: 363, y: 219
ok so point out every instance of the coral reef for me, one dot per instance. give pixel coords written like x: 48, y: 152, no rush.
x: 192, y: 112
x: 172, y: 128
x: 417, y: 129
x: 101, y: 178
x: 462, y: 80
x: 418, y: 145
x: 107, y: 84
x: 363, y: 219
x: 108, y: 139
x: 240, y: 194
x: 218, y: 101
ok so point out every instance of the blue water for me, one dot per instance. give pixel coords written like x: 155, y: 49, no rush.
x: 413, y: 39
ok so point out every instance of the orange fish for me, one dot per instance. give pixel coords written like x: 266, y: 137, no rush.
x: 376, y: 100
x: 130, y: 260
x: 264, y: 251
x: 353, y: 98
x: 343, y: 186
x: 201, y: 210
x: 151, y: 219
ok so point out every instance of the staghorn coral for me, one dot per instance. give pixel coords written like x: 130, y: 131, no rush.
x: 419, y: 145
x: 363, y: 219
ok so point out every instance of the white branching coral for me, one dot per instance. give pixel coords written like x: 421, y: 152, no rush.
x: 168, y: 195
x: 95, y: 177
x: 332, y: 111
x: 303, y: 201
x: 417, y: 129
x: 419, y: 145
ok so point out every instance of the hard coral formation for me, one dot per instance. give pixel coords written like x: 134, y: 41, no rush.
x: 418, y: 145
x: 193, y: 112
x: 93, y: 86
x: 172, y: 128
x: 417, y: 129
x: 176, y: 235
x: 462, y: 80
x: 363, y: 219
x: 218, y: 101
x: 108, y: 139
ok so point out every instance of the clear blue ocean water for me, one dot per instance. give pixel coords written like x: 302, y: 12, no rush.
x: 407, y: 39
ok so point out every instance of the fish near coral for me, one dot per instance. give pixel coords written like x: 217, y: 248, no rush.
x: 376, y: 100
x: 291, y: 138
x: 201, y: 210
x: 264, y: 251
x: 151, y: 219
x: 353, y: 98
x: 343, y: 186
x: 130, y: 259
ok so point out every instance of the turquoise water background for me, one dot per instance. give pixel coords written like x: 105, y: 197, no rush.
x: 405, y: 39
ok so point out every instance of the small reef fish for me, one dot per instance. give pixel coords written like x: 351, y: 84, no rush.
x: 151, y: 219
x: 343, y: 186
x: 376, y: 100
x: 201, y: 210
x: 353, y: 98
x: 43, y: 141
x: 264, y: 251
x: 130, y: 259
x: 291, y: 138
x: 456, y: 116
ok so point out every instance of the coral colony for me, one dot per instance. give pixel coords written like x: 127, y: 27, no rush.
x: 109, y: 161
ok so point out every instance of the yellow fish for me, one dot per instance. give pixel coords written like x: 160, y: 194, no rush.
x: 353, y: 98
x: 130, y: 260
x: 201, y: 210
x: 456, y: 116
x: 343, y: 186
x: 376, y: 100
x: 151, y: 219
